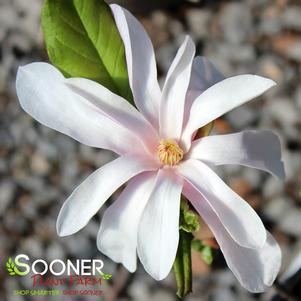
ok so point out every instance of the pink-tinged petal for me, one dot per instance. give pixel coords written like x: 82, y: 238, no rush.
x: 117, y: 109
x: 91, y: 194
x: 203, y: 75
x: 257, y: 149
x: 158, y: 234
x: 237, y: 216
x: 43, y: 94
x: 174, y: 91
x: 255, y: 269
x: 222, y: 98
x: 141, y: 63
x: 117, y: 237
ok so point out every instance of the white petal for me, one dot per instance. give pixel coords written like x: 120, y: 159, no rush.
x: 203, y: 75
x: 174, y: 91
x: 117, y: 237
x: 91, y: 194
x: 44, y: 95
x: 258, y: 149
x: 117, y: 108
x: 141, y: 63
x: 237, y: 216
x: 256, y: 269
x: 222, y: 98
x: 158, y: 235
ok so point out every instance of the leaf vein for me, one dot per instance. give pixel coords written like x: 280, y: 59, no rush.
x: 71, y: 26
x: 78, y: 53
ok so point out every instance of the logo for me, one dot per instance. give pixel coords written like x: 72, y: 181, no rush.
x: 80, y: 273
x: 57, y: 267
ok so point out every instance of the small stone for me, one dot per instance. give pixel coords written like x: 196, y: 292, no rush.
x: 269, y: 21
x: 276, y: 207
x: 242, y: 117
x: 297, y: 98
x: 78, y: 245
x: 275, y: 110
x: 32, y: 247
x: 290, y: 17
x: 7, y: 190
x: 160, y: 295
x: 295, y: 51
x: 48, y: 149
x: 139, y: 291
x: 54, y: 251
x: 35, y: 184
x: 39, y: 165
x: 253, y: 177
x: 272, y: 187
x: 292, y: 164
x: 198, y: 22
x: 236, y: 22
x: 223, y: 294
x: 165, y: 55
x: 176, y: 28
x: 92, y: 229
x: 288, y: 221
x: 270, y: 67
x: 241, y: 186
x: 8, y: 17
x: 27, y: 206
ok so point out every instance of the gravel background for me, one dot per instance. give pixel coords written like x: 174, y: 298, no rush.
x: 39, y: 167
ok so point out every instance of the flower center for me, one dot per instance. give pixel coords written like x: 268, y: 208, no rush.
x: 169, y: 152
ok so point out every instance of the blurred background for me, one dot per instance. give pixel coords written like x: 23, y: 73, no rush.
x: 39, y: 167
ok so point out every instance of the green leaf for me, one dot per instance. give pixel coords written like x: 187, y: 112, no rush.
x: 204, y: 250
x: 10, y: 267
x: 106, y: 276
x: 82, y: 40
x: 207, y: 255
x: 182, y: 265
x: 189, y: 220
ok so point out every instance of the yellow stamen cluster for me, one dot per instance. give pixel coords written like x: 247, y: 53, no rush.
x: 169, y: 152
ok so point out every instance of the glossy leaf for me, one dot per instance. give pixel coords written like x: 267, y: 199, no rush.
x: 82, y: 40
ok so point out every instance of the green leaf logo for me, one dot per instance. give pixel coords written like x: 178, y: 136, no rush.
x: 105, y: 276
x: 12, y: 269
x: 10, y: 266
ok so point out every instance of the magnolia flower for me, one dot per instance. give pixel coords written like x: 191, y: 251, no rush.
x: 159, y: 157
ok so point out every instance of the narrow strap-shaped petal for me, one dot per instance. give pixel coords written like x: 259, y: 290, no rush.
x: 237, y: 216
x: 174, y: 91
x: 257, y: 149
x: 92, y: 193
x: 203, y: 75
x: 117, y: 236
x: 141, y: 63
x: 158, y: 235
x: 43, y: 94
x: 222, y: 98
x: 255, y: 269
x: 117, y: 109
